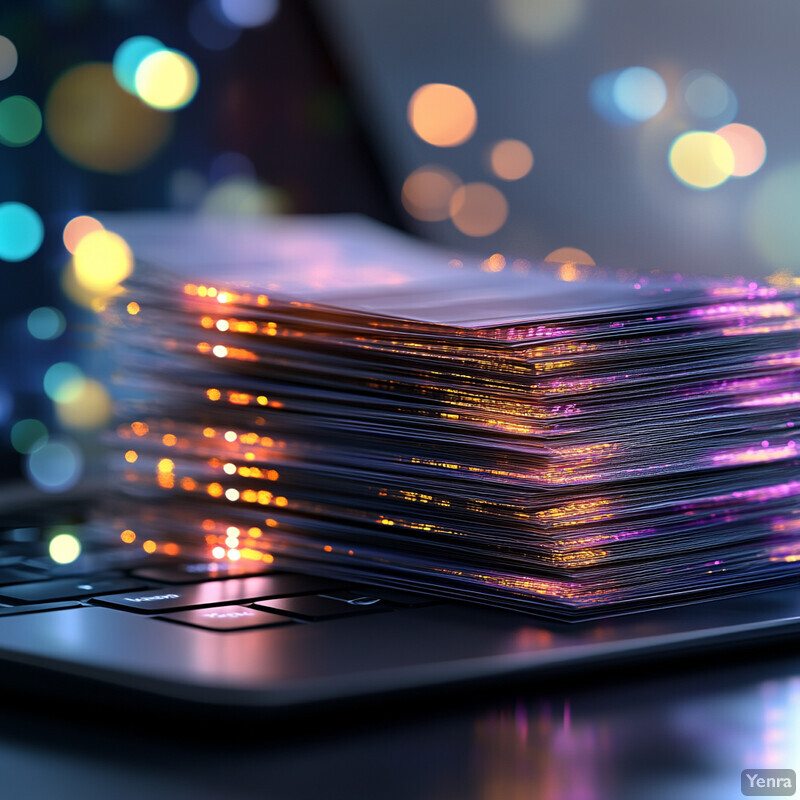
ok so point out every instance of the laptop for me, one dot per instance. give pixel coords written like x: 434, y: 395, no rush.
x: 190, y: 636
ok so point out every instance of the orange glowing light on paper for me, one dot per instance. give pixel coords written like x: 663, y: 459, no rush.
x: 749, y: 148
x: 271, y: 523
x: 213, y: 394
x: 77, y: 228
x: 133, y: 308
x: 214, y: 489
x: 209, y: 433
x: 188, y: 484
x: 427, y: 191
x: 511, y: 159
x: 495, y: 263
x: 165, y: 465
x: 568, y: 272
x: 207, y: 322
x: 254, y: 532
x: 171, y: 549
x: 140, y: 428
x: 149, y: 546
x: 442, y: 115
x: 478, y: 209
x: 131, y: 456
x: 267, y: 558
x: 281, y: 501
x: 169, y: 439
x: 128, y: 536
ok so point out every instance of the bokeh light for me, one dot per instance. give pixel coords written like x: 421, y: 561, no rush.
x: 96, y: 124
x: 167, y: 80
x: 56, y: 466
x: 46, y: 323
x: 64, y: 548
x: 749, y: 148
x: 639, y: 93
x: 442, y: 115
x: 21, y: 231
x: 208, y: 30
x: 570, y: 255
x: 8, y: 58
x: 427, y: 191
x: 628, y: 96
x: 77, y: 228
x: 772, y: 218
x: 708, y: 97
x: 601, y: 98
x: 540, y: 22
x: 478, y: 209
x: 20, y: 121
x: 247, y: 13
x: 129, y: 55
x: 28, y: 435
x: 102, y: 261
x: 88, y: 407
x: 511, y: 159
x: 63, y: 381
x: 701, y: 159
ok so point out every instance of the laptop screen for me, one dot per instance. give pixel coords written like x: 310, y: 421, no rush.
x: 659, y: 135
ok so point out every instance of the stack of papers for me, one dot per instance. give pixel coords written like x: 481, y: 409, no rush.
x: 334, y: 397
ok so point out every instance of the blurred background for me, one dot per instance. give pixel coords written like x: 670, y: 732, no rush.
x: 638, y: 136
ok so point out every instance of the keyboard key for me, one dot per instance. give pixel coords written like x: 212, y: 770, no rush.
x: 66, y: 589
x: 202, y: 570
x: 13, y: 611
x: 213, y: 593
x: 398, y: 597
x: 316, y: 607
x: 227, y: 618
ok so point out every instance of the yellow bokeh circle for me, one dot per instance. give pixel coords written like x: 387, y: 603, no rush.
x: 701, y: 159
x: 166, y: 80
x: 102, y: 261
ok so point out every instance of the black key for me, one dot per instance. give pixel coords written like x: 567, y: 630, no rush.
x: 398, y: 597
x: 12, y: 611
x: 214, y: 593
x: 315, y: 607
x: 66, y: 589
x: 227, y: 618
x: 203, y: 570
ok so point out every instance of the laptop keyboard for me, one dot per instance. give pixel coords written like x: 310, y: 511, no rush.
x: 216, y: 596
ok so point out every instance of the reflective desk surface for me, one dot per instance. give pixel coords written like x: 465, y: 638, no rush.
x: 680, y: 731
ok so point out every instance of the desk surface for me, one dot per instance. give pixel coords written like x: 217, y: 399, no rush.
x: 684, y: 733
